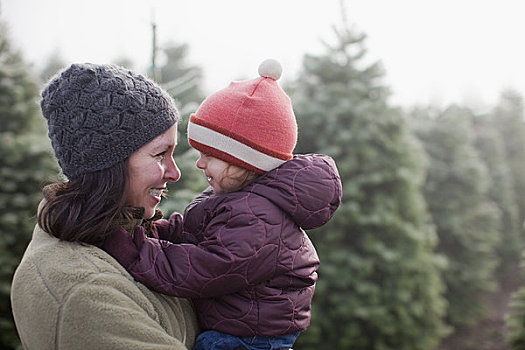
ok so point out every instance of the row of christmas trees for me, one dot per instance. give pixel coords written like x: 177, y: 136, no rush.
x: 433, y: 204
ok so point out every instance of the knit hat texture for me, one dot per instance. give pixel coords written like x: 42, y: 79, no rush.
x: 250, y: 123
x: 98, y: 115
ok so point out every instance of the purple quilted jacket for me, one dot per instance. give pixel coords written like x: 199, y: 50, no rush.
x: 243, y: 256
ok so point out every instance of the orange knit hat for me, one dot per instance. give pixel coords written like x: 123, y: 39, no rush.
x: 250, y: 123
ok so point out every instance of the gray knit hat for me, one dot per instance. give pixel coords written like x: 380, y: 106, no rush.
x: 98, y: 115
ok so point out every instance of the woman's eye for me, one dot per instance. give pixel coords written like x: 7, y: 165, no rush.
x: 160, y: 155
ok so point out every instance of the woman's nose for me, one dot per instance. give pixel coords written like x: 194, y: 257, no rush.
x: 172, y: 173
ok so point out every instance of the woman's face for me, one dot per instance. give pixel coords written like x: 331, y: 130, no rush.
x: 150, y: 168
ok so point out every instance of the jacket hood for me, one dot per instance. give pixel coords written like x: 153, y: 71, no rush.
x: 307, y: 187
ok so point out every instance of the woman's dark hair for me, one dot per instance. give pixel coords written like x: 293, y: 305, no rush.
x: 87, y: 208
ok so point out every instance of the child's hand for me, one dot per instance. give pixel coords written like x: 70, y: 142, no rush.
x: 124, y: 248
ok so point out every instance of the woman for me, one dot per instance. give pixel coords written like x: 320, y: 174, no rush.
x: 113, y: 133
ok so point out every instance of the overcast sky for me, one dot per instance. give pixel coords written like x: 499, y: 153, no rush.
x: 440, y: 52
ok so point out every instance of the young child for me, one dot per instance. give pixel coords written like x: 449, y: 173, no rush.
x: 241, y: 252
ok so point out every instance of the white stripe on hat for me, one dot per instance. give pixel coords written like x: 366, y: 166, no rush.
x: 232, y: 147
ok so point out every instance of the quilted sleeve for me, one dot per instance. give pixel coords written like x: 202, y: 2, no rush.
x: 171, y: 229
x: 234, y: 255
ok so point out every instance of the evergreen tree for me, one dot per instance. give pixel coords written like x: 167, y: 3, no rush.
x: 181, y: 79
x: 54, y: 63
x: 25, y: 163
x: 507, y: 118
x: 490, y: 145
x: 125, y: 62
x: 515, y: 320
x: 183, y: 82
x: 467, y: 222
x: 379, y: 286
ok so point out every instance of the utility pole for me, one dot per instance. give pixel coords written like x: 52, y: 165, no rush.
x: 154, y: 73
x: 344, y: 13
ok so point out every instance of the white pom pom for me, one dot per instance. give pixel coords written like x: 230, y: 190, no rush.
x: 270, y: 68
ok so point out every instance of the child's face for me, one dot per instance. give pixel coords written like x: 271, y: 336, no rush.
x: 222, y: 176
